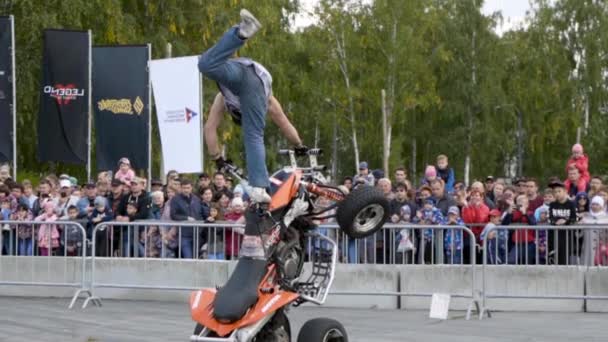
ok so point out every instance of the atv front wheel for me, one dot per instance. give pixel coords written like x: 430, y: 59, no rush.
x: 363, y: 212
x: 276, y: 330
x: 322, y: 330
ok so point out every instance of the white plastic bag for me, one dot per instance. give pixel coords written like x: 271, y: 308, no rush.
x: 405, y: 243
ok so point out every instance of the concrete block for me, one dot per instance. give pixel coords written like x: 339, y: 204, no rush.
x: 596, y: 282
x: 535, y: 281
x: 374, y: 279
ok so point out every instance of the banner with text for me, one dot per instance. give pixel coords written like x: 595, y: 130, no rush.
x: 6, y: 90
x: 177, y: 91
x: 120, y: 104
x: 63, y: 120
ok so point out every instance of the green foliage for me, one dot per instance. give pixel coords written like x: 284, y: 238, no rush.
x: 447, y: 74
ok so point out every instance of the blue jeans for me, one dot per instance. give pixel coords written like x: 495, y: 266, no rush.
x: 186, y: 247
x: 25, y: 246
x: 523, y: 253
x: 244, y: 83
x: 131, y: 239
x: 216, y: 256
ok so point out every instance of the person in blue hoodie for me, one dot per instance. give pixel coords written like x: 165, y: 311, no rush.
x: 445, y: 172
x: 452, y: 238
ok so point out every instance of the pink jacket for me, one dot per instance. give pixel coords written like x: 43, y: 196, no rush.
x: 46, y: 230
x: 126, y: 177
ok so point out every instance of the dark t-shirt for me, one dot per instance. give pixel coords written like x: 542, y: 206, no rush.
x: 566, y: 210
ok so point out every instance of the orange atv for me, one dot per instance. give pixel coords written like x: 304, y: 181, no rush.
x: 252, y: 305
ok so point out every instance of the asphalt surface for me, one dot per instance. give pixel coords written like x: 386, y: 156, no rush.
x: 28, y: 319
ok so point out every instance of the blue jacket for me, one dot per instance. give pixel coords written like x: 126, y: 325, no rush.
x: 183, y: 207
x: 448, y: 178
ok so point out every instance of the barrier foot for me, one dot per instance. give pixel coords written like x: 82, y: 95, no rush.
x: 480, y: 311
x: 89, y: 297
x: 485, y: 311
x: 96, y: 301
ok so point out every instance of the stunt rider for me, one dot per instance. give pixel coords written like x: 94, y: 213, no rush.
x: 246, y: 93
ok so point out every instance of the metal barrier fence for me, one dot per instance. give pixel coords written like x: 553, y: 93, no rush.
x: 148, y: 241
x: 27, y: 245
x: 580, y: 246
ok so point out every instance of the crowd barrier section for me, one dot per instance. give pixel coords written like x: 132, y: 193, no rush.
x: 45, y: 254
x: 133, y: 248
x: 540, y: 255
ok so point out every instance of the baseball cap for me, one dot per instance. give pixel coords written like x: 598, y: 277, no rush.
x: 90, y: 185
x: 490, y: 179
x: 116, y: 182
x: 557, y: 184
x: 99, y: 201
x: 156, y: 182
x: 65, y: 183
x: 454, y: 210
x: 495, y: 212
x: 363, y: 165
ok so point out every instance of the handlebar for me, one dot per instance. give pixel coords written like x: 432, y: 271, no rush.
x: 310, y: 152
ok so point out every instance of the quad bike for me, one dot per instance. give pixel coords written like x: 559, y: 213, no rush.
x: 252, y: 305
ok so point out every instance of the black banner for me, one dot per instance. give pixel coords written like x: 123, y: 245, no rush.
x: 6, y: 90
x: 120, y: 102
x: 63, y: 120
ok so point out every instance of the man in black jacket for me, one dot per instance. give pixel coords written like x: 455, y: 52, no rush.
x: 562, y: 212
x: 140, y: 199
x: 443, y: 200
x: 186, y: 207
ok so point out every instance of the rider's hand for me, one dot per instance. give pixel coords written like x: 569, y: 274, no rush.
x: 220, y: 163
x: 300, y: 150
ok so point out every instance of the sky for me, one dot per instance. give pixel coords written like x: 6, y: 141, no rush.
x: 513, y: 12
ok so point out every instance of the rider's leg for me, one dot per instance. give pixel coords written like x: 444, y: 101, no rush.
x: 254, y: 105
x: 215, y: 64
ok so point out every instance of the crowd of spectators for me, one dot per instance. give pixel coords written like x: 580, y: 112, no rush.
x: 486, y: 207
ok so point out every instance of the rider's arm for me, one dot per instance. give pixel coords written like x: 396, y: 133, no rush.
x: 213, y: 122
x: 280, y: 119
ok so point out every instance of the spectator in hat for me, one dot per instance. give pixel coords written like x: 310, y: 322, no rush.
x: 65, y: 199
x: 452, y: 238
x: 364, y: 176
x: 582, y: 204
x: 445, y: 172
x: 25, y: 232
x: 489, y: 185
x: 575, y: 182
x: 580, y: 161
x: 497, y: 239
x: 595, y: 244
x: 86, y: 204
x: 125, y: 173
x: 562, y: 212
x: 101, y: 213
x: 430, y: 173
x: 156, y: 185
x: 427, y: 215
x: 520, y: 185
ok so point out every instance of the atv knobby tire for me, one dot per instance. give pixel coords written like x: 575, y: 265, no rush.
x: 322, y: 330
x: 363, y: 212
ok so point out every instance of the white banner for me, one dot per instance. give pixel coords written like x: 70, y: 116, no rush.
x: 177, y: 92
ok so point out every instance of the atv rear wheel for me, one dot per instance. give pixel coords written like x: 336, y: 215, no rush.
x: 363, y: 212
x: 322, y: 330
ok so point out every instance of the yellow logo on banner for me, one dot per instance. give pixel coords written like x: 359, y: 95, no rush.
x: 121, y: 106
x: 138, y: 105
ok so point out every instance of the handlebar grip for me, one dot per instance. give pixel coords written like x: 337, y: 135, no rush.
x: 284, y: 152
x: 319, y: 168
x: 315, y: 152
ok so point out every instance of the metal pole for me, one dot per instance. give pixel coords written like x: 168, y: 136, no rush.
x: 14, y: 84
x: 149, y: 119
x: 163, y: 177
x: 90, y: 106
x: 520, y: 137
x: 201, y: 121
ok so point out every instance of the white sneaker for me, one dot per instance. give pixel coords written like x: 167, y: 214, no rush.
x: 249, y: 24
x: 259, y: 195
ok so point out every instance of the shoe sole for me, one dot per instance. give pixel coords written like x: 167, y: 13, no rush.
x: 246, y: 15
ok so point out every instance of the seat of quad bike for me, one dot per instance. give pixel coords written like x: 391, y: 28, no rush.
x: 240, y: 292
